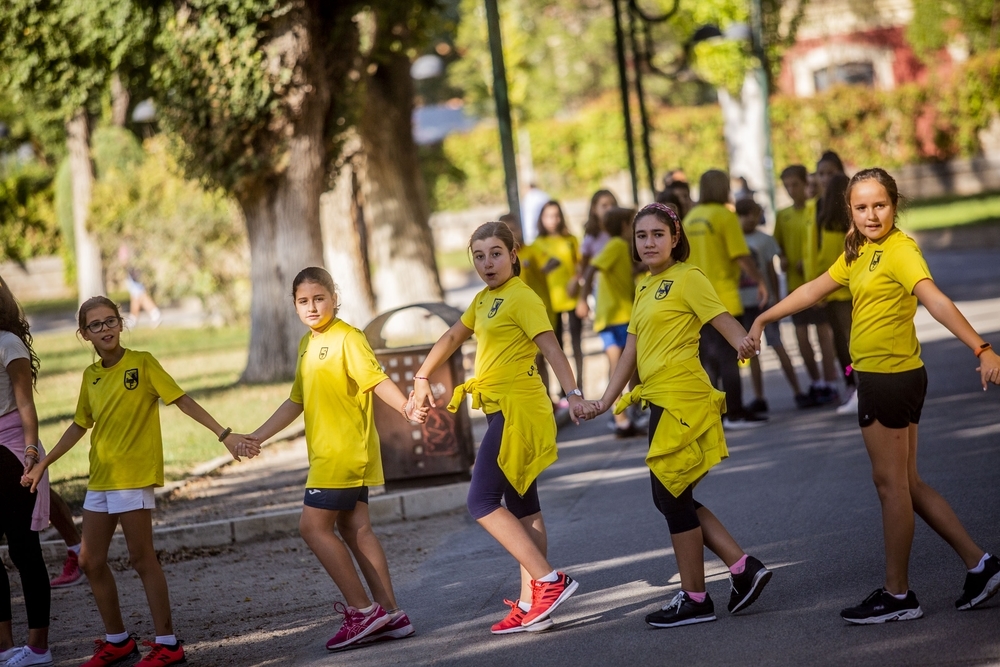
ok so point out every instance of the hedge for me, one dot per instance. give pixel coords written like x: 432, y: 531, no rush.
x: 932, y: 121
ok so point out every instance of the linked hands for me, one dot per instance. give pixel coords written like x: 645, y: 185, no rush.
x: 989, y: 368
x: 415, y: 411
x: 750, y: 346
x: 586, y: 410
x: 241, y: 444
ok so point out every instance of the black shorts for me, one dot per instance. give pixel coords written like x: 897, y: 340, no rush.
x: 339, y: 500
x: 893, y: 399
x: 811, y: 315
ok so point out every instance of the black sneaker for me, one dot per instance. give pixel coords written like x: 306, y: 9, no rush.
x: 824, y: 395
x: 757, y: 405
x: 748, y: 420
x: 882, y: 606
x: 747, y: 585
x: 980, y: 586
x: 805, y: 400
x: 682, y: 610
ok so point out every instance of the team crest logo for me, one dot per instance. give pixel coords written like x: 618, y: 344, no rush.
x: 876, y: 258
x: 495, y: 308
x: 131, y: 378
x: 323, y: 351
x: 663, y: 290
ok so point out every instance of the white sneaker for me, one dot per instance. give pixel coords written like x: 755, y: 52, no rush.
x: 8, y: 654
x: 850, y: 406
x: 25, y: 657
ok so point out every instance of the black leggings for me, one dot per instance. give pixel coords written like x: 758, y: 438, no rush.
x: 840, y: 315
x: 16, y: 505
x: 681, y: 512
x: 489, y: 484
x: 721, y: 362
x: 576, y: 339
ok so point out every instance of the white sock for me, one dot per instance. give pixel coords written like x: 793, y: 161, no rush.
x: 899, y: 597
x: 117, y: 639
x: 523, y: 606
x: 367, y: 610
x: 166, y: 640
x: 982, y: 564
x: 75, y: 549
x: 551, y: 577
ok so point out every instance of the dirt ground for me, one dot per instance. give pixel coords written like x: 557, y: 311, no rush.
x: 248, y: 605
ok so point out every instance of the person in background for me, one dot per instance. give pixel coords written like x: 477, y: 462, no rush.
x: 531, y: 207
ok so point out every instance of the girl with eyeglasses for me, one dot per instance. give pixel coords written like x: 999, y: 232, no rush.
x: 119, y: 399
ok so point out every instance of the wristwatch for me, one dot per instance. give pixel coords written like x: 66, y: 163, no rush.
x: 575, y: 392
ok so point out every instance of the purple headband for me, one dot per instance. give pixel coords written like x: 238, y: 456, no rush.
x: 660, y: 208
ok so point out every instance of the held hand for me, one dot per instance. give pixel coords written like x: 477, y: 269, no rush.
x: 989, y: 368
x: 591, y: 409
x: 33, y: 477
x: 30, y: 462
x: 413, y: 413
x: 582, y: 309
x: 750, y: 346
x: 575, y: 403
x: 238, y: 445
x: 422, y: 394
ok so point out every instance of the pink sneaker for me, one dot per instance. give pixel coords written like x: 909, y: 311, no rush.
x: 356, y: 625
x: 398, y: 627
x: 71, y: 574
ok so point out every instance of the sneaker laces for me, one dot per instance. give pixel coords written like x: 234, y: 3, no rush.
x: 352, y: 617
x: 155, y: 650
x: 676, y: 602
x: 70, y: 565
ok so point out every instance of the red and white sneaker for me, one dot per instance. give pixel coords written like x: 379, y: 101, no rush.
x: 161, y: 655
x: 398, y: 627
x: 512, y: 622
x: 546, y: 596
x: 71, y: 574
x: 356, y: 625
x: 106, y: 653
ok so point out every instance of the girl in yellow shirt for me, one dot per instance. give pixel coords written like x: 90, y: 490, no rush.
x: 686, y: 436
x: 887, y: 275
x: 119, y: 399
x: 563, y: 252
x: 511, y: 325
x: 337, y: 374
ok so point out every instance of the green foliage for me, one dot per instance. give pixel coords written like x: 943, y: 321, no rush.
x: 572, y: 157
x: 185, y: 240
x: 936, y: 23
x: 27, y: 218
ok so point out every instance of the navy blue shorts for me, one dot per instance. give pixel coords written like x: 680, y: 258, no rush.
x: 489, y: 484
x: 614, y: 336
x: 338, y: 500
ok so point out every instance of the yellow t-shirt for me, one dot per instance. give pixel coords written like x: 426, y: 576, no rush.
x: 881, y: 279
x: 566, y: 249
x: 532, y: 261
x: 615, y: 286
x: 506, y: 320
x: 790, y: 226
x: 122, y: 403
x: 818, y: 257
x: 669, y: 312
x: 716, y: 241
x: 334, y: 378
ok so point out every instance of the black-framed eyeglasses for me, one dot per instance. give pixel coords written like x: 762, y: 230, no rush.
x: 101, y: 325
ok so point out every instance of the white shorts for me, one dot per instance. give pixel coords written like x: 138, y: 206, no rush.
x: 120, y: 501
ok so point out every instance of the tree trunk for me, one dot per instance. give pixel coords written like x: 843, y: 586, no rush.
x: 345, y: 247
x: 282, y: 214
x: 401, y: 247
x: 89, y: 267
x: 119, y: 101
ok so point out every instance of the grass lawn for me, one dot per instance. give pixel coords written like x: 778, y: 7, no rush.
x: 940, y: 213
x: 205, y: 362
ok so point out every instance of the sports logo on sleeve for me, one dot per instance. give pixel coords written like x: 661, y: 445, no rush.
x: 876, y: 258
x: 496, y: 306
x: 663, y: 290
x: 323, y: 352
x: 131, y: 378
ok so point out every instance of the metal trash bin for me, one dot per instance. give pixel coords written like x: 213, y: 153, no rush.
x: 443, y: 445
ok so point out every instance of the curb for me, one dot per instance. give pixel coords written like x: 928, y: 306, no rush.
x: 385, y: 509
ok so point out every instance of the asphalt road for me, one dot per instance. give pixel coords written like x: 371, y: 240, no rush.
x: 796, y: 493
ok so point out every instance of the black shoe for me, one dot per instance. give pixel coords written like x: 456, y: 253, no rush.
x: 682, y: 610
x: 980, y: 586
x: 747, y: 420
x: 882, y: 606
x: 747, y: 585
x: 824, y: 395
x: 805, y: 400
x: 626, y: 432
x: 757, y: 405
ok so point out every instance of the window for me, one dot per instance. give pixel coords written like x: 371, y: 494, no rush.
x: 860, y: 73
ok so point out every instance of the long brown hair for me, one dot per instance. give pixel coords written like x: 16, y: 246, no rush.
x: 500, y: 230
x: 593, y: 226
x: 836, y: 213
x: 12, y: 319
x: 562, y: 230
x: 855, y: 239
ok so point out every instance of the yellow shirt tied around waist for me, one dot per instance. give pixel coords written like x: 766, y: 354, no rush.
x: 566, y: 249
x: 790, y: 226
x: 615, y: 286
x: 122, y: 404
x: 532, y: 261
x: 506, y: 321
x: 334, y: 378
x: 820, y: 255
x: 669, y: 312
x: 716, y: 240
x: 881, y: 279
